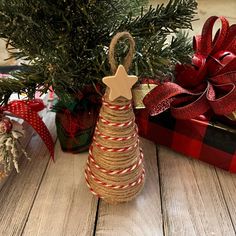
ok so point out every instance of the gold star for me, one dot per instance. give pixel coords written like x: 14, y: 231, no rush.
x: 120, y: 84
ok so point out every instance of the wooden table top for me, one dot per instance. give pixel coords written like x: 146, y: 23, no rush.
x: 181, y: 197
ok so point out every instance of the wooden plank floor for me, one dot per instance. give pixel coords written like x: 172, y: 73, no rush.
x: 181, y: 197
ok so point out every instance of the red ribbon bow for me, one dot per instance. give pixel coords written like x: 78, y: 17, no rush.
x: 28, y: 111
x: 208, y: 84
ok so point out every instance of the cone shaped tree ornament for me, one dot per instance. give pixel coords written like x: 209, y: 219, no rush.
x: 115, y: 170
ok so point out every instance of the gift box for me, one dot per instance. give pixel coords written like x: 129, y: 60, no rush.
x: 182, y: 111
x: 208, y: 141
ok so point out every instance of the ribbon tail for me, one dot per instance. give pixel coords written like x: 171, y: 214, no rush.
x: 186, y: 106
x: 160, y: 98
x: 190, y: 107
x: 23, y: 111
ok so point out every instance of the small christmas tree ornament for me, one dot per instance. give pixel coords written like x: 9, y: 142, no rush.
x: 115, y: 169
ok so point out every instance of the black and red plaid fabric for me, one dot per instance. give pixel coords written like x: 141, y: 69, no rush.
x: 79, y: 142
x: 75, y: 132
x: 209, y: 142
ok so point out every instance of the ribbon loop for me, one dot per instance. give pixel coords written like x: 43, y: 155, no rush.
x: 27, y: 110
x: 209, y: 84
x: 207, y: 45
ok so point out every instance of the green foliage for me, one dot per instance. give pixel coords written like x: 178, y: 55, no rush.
x: 65, y: 42
x: 9, y: 85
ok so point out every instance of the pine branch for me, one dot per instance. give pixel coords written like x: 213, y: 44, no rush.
x: 177, y: 14
x: 65, y: 42
x: 8, y: 86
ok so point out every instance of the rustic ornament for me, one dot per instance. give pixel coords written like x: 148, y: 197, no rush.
x: 115, y: 169
x: 10, y: 146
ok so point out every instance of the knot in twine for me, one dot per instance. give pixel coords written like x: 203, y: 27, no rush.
x: 114, y: 170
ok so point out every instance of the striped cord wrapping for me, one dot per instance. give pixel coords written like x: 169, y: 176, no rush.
x: 112, y: 186
x: 116, y: 124
x: 119, y: 171
x: 116, y: 138
x: 117, y: 107
x: 125, y: 149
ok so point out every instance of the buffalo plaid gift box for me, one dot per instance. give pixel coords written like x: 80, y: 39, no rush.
x: 211, y: 142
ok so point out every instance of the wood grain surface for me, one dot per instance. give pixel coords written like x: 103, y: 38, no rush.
x: 18, y: 193
x: 228, y: 185
x: 192, y: 198
x: 143, y: 215
x: 181, y: 196
x: 64, y: 205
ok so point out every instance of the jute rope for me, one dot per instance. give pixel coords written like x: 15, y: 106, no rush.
x: 115, y: 170
x: 129, y: 57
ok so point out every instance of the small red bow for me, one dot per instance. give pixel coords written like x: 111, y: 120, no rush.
x: 28, y: 111
x: 208, y: 84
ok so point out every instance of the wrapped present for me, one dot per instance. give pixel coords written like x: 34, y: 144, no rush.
x: 27, y: 110
x: 180, y: 114
x: 17, y: 120
x: 208, y: 141
x: 18, y: 117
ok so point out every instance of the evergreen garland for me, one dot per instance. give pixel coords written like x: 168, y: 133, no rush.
x: 65, y: 42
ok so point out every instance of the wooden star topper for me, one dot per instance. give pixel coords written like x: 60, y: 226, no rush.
x: 120, y: 84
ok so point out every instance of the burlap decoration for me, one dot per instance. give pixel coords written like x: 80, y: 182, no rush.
x: 115, y: 170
